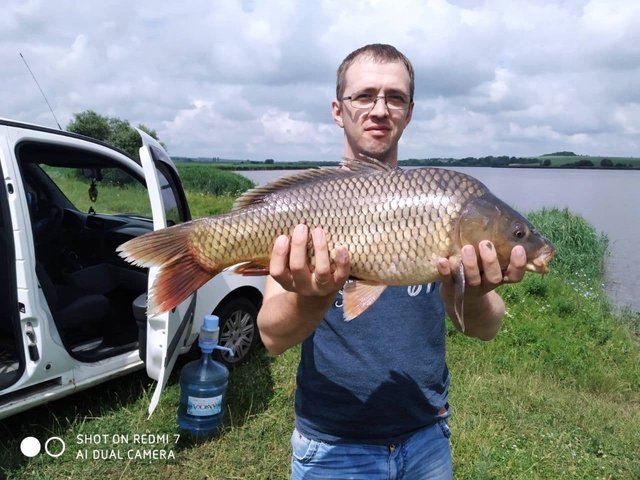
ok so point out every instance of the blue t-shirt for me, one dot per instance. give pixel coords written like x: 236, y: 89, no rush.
x: 378, y: 378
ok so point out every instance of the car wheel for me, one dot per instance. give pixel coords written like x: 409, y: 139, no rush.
x: 238, y: 330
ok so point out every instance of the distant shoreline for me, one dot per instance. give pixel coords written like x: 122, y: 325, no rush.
x: 403, y: 163
x: 552, y: 160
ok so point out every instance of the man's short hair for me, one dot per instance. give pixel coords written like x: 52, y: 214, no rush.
x: 377, y: 52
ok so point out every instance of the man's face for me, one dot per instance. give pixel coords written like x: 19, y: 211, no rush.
x: 373, y: 132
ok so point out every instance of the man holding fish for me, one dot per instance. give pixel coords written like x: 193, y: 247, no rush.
x: 370, y: 403
x: 355, y: 254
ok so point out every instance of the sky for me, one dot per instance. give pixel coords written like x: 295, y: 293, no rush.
x: 252, y: 79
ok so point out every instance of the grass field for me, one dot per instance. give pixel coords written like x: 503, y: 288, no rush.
x: 555, y: 396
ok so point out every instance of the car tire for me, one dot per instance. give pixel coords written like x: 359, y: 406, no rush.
x: 238, y: 330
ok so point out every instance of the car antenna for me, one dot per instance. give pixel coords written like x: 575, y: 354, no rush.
x: 41, y: 91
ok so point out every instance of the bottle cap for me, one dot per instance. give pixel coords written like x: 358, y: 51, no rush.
x: 209, y: 333
x: 210, y: 323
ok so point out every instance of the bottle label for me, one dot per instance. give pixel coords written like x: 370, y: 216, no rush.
x: 202, y: 407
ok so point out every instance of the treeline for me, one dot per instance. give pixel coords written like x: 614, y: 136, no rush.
x: 490, y: 161
x: 603, y: 163
x: 560, y: 154
x: 269, y: 164
x: 545, y: 161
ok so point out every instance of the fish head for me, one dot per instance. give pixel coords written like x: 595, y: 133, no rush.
x: 489, y: 218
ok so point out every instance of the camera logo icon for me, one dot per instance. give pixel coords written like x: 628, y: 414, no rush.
x: 31, y: 446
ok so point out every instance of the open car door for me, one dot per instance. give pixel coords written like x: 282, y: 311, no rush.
x: 166, y: 332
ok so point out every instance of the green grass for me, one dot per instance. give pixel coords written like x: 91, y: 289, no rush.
x: 209, y: 191
x: 202, y: 204
x: 556, y: 395
x: 204, y: 178
x: 111, y: 199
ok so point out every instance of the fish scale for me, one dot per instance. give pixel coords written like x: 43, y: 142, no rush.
x: 401, y: 223
x: 394, y: 223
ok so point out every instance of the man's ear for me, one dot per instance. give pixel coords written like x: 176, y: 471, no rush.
x: 336, y: 113
x: 409, y: 114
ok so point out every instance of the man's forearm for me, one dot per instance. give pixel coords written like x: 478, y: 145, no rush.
x: 482, y: 315
x: 286, y: 319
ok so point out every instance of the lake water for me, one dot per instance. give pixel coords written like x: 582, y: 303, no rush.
x: 608, y: 199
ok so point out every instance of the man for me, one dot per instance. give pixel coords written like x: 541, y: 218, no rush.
x: 371, y: 401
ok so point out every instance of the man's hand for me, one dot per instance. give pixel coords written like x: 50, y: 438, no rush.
x: 483, y: 274
x: 290, y: 267
x: 483, y: 308
x: 297, y: 294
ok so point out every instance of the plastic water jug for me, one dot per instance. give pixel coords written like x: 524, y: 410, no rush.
x: 203, y: 386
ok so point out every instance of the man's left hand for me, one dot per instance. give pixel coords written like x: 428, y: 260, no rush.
x: 483, y: 308
x: 483, y: 274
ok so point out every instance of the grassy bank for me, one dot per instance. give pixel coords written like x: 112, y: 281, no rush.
x: 210, y: 191
x: 556, y: 395
x: 212, y: 181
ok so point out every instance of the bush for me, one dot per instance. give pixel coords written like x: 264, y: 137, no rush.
x: 579, y: 247
x: 209, y: 180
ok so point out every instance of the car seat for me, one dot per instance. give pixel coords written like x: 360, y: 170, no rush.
x: 73, y: 308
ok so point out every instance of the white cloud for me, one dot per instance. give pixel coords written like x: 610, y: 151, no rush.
x: 250, y: 79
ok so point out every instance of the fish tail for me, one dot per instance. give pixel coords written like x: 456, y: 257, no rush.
x: 179, y: 273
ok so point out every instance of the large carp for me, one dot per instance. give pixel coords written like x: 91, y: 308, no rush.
x: 395, y: 224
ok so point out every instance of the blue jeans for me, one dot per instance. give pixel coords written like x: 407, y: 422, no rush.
x: 424, y: 455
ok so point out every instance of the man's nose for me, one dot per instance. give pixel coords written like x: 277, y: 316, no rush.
x: 379, y: 108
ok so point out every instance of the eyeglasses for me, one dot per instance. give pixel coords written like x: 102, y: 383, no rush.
x: 394, y: 101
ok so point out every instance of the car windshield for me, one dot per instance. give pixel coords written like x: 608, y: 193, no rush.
x: 102, y: 190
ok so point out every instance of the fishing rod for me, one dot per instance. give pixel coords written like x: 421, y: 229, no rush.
x: 41, y: 91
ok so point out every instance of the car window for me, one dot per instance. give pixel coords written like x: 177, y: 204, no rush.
x: 105, y: 190
x: 170, y: 196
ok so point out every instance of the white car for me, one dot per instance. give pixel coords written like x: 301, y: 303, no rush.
x: 73, y: 312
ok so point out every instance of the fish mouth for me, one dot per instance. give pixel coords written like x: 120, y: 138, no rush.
x: 540, y: 263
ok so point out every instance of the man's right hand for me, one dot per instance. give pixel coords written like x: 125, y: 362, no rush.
x: 290, y: 266
x: 297, y: 294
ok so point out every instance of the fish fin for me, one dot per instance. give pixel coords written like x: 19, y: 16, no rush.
x: 365, y: 164
x: 251, y: 269
x: 155, y: 248
x: 174, y: 283
x: 359, y: 296
x: 257, y: 195
x: 349, y: 165
x: 458, y: 298
x: 179, y: 273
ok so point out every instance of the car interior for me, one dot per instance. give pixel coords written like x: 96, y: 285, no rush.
x: 89, y: 289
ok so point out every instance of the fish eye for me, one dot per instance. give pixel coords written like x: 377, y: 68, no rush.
x: 519, y: 230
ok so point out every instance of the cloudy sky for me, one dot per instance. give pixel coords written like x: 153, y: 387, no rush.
x: 255, y: 78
